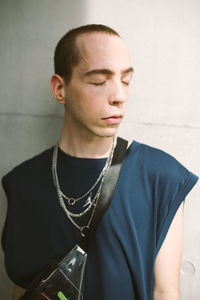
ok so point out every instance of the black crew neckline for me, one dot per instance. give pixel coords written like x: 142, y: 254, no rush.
x: 65, y: 158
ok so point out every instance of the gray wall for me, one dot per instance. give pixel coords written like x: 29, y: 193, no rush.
x: 164, y: 107
x: 30, y: 119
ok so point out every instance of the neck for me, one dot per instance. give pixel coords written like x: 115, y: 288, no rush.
x: 78, y: 144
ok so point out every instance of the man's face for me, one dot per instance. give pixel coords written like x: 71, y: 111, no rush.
x: 98, y: 91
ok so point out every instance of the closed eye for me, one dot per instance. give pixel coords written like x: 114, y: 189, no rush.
x: 126, y: 83
x: 98, y: 83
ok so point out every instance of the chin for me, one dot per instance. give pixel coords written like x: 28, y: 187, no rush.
x: 107, y: 132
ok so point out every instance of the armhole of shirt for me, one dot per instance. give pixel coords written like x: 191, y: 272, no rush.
x: 179, y: 198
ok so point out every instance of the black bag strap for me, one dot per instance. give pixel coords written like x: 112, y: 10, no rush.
x: 107, y: 190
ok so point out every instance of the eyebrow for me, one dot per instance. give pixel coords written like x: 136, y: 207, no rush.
x: 107, y: 72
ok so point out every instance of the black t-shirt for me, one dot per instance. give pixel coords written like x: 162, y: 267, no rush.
x: 151, y: 186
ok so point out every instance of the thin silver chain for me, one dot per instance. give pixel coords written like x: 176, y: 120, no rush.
x: 72, y: 200
x: 70, y: 215
x: 94, y: 201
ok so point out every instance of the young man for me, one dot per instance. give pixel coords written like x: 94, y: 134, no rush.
x: 136, y: 252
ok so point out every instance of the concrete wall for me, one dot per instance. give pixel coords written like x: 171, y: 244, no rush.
x: 164, y: 107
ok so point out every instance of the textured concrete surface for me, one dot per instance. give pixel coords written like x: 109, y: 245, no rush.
x: 164, y: 106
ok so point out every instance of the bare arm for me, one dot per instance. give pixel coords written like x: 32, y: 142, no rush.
x: 168, y: 261
x: 18, y: 292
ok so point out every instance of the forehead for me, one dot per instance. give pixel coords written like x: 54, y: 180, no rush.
x: 101, y: 50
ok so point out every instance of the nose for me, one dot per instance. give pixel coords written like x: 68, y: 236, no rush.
x: 118, y: 93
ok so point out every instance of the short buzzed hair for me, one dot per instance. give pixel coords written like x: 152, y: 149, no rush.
x: 67, y: 54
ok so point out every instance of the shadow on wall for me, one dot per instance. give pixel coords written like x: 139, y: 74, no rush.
x: 30, y: 120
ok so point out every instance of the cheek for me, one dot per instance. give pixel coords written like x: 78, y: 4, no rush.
x: 83, y: 106
x: 91, y: 108
x: 90, y: 101
x: 87, y: 100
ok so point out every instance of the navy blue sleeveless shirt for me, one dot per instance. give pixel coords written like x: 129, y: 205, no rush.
x: 121, y: 257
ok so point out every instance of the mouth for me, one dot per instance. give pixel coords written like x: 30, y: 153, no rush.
x: 114, y: 119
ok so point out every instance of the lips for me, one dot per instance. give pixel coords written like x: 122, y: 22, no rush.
x: 114, y: 119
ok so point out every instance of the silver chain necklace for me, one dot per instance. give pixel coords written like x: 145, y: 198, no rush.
x: 71, y: 201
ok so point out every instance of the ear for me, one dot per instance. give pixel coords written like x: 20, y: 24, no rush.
x: 58, y: 88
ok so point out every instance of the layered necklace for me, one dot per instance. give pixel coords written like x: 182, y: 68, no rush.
x: 91, y: 202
